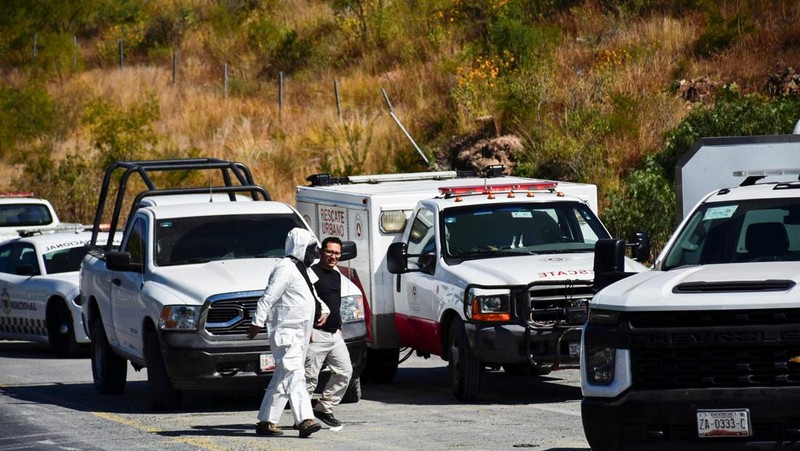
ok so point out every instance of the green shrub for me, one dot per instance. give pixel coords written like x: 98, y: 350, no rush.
x: 25, y: 114
x: 721, y: 34
x: 120, y: 134
x: 733, y: 114
x: 67, y: 184
x: 644, y: 202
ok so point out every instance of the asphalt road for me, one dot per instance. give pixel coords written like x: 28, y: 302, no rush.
x: 48, y: 403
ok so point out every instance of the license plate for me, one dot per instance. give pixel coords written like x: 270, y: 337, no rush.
x: 723, y: 423
x: 574, y: 348
x: 267, y: 362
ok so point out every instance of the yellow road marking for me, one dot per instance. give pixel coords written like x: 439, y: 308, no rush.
x: 194, y: 441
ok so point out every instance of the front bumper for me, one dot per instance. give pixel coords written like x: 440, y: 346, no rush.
x: 195, y: 363
x: 517, y: 344
x: 666, y: 419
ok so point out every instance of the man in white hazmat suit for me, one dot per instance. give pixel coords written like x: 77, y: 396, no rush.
x: 287, y: 308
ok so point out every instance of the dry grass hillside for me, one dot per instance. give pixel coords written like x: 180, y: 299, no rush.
x: 588, y: 89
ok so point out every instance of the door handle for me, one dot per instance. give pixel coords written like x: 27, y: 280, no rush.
x: 116, y: 282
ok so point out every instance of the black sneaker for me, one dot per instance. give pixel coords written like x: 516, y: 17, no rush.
x: 308, y: 427
x: 327, y: 418
x: 267, y: 428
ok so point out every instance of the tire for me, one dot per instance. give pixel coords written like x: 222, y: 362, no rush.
x: 109, y: 370
x: 353, y: 393
x: 465, y: 370
x: 381, y: 365
x: 61, y: 329
x: 163, y: 396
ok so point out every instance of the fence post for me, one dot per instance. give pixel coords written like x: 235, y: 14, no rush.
x: 338, y: 101
x: 225, y: 81
x: 174, y: 68
x: 280, y: 96
x: 121, y: 54
x: 74, y: 53
x: 35, y: 46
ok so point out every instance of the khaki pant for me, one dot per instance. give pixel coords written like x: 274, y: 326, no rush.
x: 331, y: 350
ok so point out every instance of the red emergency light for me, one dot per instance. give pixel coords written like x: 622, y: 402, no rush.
x: 498, y: 188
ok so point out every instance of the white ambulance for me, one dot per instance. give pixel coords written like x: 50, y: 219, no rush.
x: 486, y: 272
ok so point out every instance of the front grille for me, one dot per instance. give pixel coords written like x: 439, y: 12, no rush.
x: 705, y: 349
x: 559, y: 302
x: 710, y: 367
x: 231, y: 316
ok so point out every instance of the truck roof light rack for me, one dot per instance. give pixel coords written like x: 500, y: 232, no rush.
x: 235, y: 176
x: 543, y: 185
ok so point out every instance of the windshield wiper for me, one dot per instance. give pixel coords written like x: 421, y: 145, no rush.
x: 488, y: 253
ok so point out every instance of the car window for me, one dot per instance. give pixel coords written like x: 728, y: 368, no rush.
x: 64, y: 260
x: 135, y: 243
x: 19, y: 215
x: 23, y: 257
x: 5, y: 258
x: 422, y: 242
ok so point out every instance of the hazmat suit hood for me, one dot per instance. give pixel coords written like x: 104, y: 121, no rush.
x: 302, y: 245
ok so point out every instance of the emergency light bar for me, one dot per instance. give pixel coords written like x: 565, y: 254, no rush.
x: 766, y: 172
x: 498, y: 188
x: 754, y: 175
x: 437, y: 175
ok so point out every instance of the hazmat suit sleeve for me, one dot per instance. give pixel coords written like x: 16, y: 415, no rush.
x: 279, y: 280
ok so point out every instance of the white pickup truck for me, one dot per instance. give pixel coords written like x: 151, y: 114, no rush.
x: 703, y: 351
x: 179, y: 293
x: 23, y: 211
x: 486, y: 272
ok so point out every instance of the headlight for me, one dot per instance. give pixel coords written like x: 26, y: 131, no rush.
x: 490, y: 305
x: 179, y: 317
x: 600, y: 364
x: 599, y: 316
x: 352, y: 308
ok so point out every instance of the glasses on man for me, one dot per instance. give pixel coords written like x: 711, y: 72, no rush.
x: 331, y: 253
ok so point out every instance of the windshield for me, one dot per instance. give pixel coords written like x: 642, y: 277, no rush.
x: 18, y: 215
x: 520, y: 229
x: 744, y: 231
x: 181, y: 241
x: 64, y: 260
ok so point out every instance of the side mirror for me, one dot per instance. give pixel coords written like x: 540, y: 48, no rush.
x: 121, y: 261
x: 609, y: 262
x: 349, y: 251
x: 640, y: 244
x: 397, y: 258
